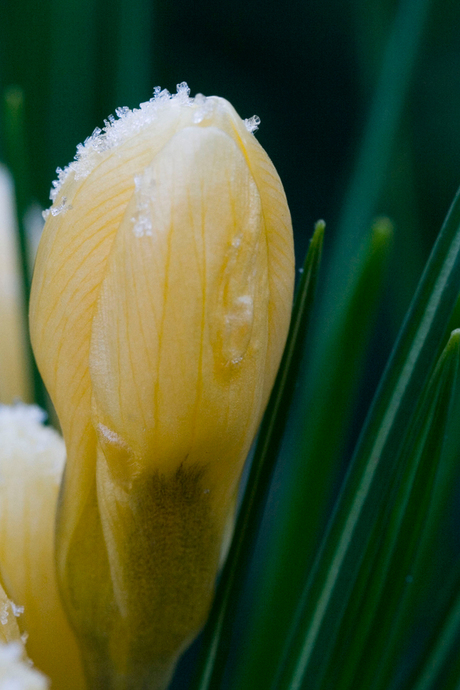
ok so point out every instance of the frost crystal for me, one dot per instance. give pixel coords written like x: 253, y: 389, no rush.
x: 144, y: 189
x: 4, y: 612
x: 5, y: 609
x: 110, y: 435
x: 61, y: 208
x: 124, y: 125
x: 17, y: 610
x: 252, y: 123
x: 205, y: 108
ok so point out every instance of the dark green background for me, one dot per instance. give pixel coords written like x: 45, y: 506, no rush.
x: 308, y: 69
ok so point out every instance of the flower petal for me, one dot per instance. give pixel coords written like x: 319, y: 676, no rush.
x: 31, y: 463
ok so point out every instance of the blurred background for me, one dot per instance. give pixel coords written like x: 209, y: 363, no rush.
x: 359, y: 102
x: 309, y: 70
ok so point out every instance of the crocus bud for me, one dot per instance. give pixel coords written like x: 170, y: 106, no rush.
x: 31, y: 464
x: 159, y: 311
x: 15, y: 372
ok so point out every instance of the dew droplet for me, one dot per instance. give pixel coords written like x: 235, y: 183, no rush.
x: 234, y: 314
x: 144, y: 189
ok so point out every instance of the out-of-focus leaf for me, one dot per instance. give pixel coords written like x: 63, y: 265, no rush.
x: 441, y: 667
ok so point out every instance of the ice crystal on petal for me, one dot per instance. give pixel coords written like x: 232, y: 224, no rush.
x: 183, y: 92
x: 63, y: 207
x: 204, y: 110
x: 252, y: 123
x: 4, y: 613
x: 17, y: 610
x: 124, y: 125
x: 116, y: 130
x: 144, y: 189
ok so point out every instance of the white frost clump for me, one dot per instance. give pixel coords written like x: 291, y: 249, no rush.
x: 15, y: 673
x: 127, y: 124
x: 26, y: 440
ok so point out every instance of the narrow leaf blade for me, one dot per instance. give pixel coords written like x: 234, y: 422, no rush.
x: 328, y: 589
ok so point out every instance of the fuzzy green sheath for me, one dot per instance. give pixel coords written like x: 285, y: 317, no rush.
x: 168, y: 554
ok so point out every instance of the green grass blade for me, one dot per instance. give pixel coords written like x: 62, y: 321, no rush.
x: 314, y: 467
x: 336, y: 569
x: 364, y: 648
x: 444, y: 652
x: 427, y: 601
x: 218, y: 629
x: 407, y: 574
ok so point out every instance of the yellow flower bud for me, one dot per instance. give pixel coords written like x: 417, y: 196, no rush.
x: 15, y: 372
x: 159, y: 311
x: 31, y: 464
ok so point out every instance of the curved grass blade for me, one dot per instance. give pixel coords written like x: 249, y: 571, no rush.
x: 218, y: 629
x: 442, y: 666
x: 389, y: 566
x: 407, y: 577
x: 427, y: 601
x: 327, y: 592
x: 302, y: 505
